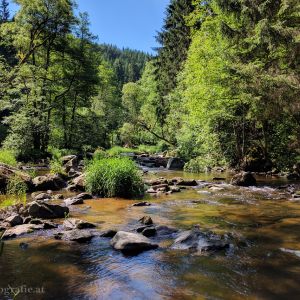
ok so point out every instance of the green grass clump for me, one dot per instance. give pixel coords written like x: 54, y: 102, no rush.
x: 8, y: 157
x: 114, y: 177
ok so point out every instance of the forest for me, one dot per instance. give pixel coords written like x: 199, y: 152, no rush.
x: 229, y: 98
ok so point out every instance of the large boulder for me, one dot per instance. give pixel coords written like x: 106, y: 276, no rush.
x: 7, y: 172
x: 131, y: 243
x: 244, y: 179
x: 197, y: 241
x: 49, y: 182
x: 44, y: 210
x: 175, y: 163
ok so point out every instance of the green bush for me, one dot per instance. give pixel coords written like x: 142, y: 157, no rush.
x: 202, y: 164
x: 8, y: 157
x: 16, y: 186
x: 117, y: 151
x: 56, y: 167
x: 100, y: 154
x: 114, y: 177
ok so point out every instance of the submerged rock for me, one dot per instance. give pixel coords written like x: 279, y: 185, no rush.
x: 144, y: 203
x: 109, y: 233
x: 76, y: 235
x: 243, y: 179
x: 165, y: 230
x: 200, y: 242
x: 184, y: 182
x: 46, y: 211
x: 46, y: 224
x: 131, y: 243
x: 149, y: 231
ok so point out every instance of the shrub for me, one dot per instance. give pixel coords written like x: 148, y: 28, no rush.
x: 16, y: 186
x: 114, y: 177
x: 117, y: 151
x: 151, y: 149
x: 56, y: 167
x: 8, y: 157
x: 202, y: 164
x: 100, y: 154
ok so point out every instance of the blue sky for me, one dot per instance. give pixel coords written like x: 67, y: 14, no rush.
x: 125, y: 23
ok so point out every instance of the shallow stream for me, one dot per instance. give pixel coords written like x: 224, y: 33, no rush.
x: 264, y: 265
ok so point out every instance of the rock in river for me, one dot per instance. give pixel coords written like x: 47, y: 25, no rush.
x: 131, y: 243
x: 72, y: 223
x: 49, y: 182
x: 76, y: 235
x: 175, y: 164
x: 46, y: 211
x: 199, y: 242
x: 20, y: 230
x: 14, y: 220
x: 146, y: 220
x: 78, y: 199
x: 243, y: 179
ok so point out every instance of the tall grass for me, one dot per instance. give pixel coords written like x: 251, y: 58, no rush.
x: 8, y: 157
x: 114, y: 177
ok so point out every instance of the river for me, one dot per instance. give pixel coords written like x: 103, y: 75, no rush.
x: 265, y: 264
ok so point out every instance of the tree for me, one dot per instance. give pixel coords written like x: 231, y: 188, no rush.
x: 4, y: 11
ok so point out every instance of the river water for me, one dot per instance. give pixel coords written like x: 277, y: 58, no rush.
x: 264, y: 264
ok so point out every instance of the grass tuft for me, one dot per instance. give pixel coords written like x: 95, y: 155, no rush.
x: 114, y: 177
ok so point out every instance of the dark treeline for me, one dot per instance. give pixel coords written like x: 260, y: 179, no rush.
x: 223, y: 88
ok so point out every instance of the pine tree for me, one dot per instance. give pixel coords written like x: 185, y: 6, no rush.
x: 174, y: 39
x: 4, y: 11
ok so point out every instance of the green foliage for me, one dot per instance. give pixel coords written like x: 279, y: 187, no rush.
x: 117, y: 151
x: 114, y: 177
x: 10, y: 200
x: 100, y: 154
x: 16, y: 186
x: 153, y: 149
x: 56, y: 167
x: 8, y: 157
